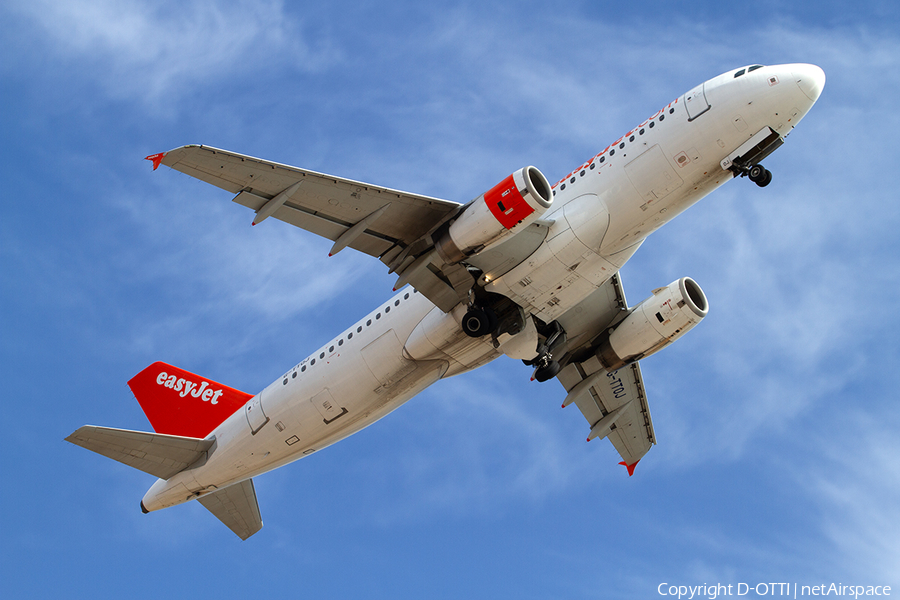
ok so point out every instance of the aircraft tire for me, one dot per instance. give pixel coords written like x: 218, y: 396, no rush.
x: 477, y: 323
x: 548, y: 372
x: 756, y: 174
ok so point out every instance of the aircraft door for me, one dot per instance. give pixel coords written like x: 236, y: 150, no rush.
x: 695, y: 102
x: 256, y: 418
x: 327, y: 407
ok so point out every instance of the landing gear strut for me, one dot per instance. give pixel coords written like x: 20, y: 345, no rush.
x: 545, y: 368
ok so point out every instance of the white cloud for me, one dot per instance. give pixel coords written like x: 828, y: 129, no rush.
x: 156, y: 52
x: 854, y: 478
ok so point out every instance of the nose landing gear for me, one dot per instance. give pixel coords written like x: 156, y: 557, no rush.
x: 759, y: 175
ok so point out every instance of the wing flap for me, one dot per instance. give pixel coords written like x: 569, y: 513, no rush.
x: 236, y: 506
x: 367, y: 241
x: 157, y: 454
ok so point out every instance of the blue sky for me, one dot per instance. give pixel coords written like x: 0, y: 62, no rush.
x: 777, y: 418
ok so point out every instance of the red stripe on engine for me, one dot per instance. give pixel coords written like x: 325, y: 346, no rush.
x: 507, y: 204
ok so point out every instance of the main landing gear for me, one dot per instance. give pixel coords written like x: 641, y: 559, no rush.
x: 545, y: 368
x: 479, y: 321
x: 492, y: 314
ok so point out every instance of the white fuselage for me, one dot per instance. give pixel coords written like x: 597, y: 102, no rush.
x: 600, y: 214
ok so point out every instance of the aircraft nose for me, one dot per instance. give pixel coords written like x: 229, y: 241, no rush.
x: 810, y: 79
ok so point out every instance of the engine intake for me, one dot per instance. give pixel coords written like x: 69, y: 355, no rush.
x: 499, y: 213
x: 654, y: 324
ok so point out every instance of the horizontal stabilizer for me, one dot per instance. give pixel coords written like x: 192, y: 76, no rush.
x: 236, y: 506
x: 157, y: 454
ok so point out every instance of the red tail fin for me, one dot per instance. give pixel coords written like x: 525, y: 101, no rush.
x: 180, y: 403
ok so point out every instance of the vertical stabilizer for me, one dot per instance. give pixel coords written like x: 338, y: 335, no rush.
x: 181, y: 403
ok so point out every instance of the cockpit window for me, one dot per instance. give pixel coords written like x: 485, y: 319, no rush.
x: 747, y: 70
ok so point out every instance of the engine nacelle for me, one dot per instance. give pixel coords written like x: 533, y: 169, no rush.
x: 654, y: 324
x: 505, y: 209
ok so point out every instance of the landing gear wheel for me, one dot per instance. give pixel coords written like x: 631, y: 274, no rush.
x: 547, y: 372
x: 479, y: 322
x: 756, y: 173
x: 760, y: 175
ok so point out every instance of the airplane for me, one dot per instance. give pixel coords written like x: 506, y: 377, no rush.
x: 528, y: 270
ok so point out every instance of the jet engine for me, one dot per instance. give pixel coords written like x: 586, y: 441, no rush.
x: 505, y: 209
x: 653, y: 324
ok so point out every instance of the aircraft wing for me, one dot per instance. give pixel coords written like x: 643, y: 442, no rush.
x: 614, y: 404
x: 393, y: 226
